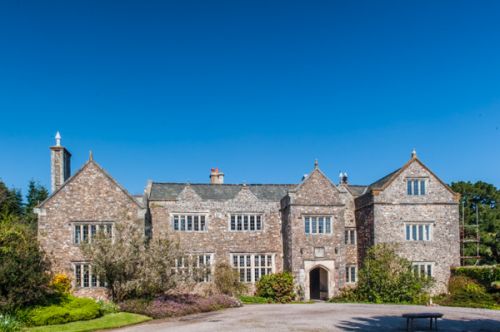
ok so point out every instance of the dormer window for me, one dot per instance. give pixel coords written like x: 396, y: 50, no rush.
x: 415, y: 187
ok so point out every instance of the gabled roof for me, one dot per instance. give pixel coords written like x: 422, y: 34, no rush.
x: 103, y: 171
x: 317, y: 170
x: 266, y: 192
x: 384, y: 182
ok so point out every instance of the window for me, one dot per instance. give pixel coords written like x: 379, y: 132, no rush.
x: 246, y: 222
x: 85, y: 232
x: 418, y: 232
x: 251, y: 267
x: 199, y: 266
x: 189, y: 222
x: 422, y: 269
x: 350, y: 236
x: 350, y: 274
x: 415, y: 187
x: 85, y: 278
x: 318, y: 225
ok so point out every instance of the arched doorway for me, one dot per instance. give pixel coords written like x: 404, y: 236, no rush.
x: 318, y: 284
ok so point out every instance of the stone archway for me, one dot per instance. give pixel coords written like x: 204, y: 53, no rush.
x: 318, y: 284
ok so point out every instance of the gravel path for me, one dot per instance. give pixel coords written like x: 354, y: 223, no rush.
x: 325, y: 317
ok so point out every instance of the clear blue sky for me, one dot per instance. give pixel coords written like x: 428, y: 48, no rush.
x: 165, y: 90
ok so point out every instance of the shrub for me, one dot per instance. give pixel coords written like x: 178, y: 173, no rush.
x: 495, y: 286
x: 178, y: 305
x: 227, y: 280
x: 466, y: 292
x: 70, y: 309
x: 278, y: 286
x: 387, y: 278
x: 23, y: 268
x: 108, y: 307
x: 61, y: 283
x: 484, y: 275
x: 9, y: 323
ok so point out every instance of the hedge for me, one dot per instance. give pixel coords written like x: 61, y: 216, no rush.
x: 485, y: 275
x: 70, y: 309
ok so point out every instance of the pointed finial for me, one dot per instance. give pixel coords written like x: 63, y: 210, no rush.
x: 91, y: 155
x: 414, y: 153
x: 315, y: 163
x: 58, y: 139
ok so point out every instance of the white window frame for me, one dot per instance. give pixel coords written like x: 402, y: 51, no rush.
x: 423, y: 267
x: 411, y: 190
x: 180, y: 264
x: 79, y: 280
x: 350, y: 236
x: 348, y: 274
x: 243, y: 219
x: 182, y: 218
x: 418, y: 231
x: 312, y: 223
x: 80, y: 228
x: 247, y: 270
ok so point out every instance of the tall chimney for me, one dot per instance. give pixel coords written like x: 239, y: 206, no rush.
x: 216, y: 177
x: 60, y: 164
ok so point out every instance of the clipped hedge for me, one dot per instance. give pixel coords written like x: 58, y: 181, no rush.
x: 70, y: 309
x: 485, y: 275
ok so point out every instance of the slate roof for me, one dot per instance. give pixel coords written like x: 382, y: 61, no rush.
x: 357, y: 190
x: 381, y: 182
x: 265, y: 192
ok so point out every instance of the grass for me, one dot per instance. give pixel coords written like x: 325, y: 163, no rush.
x: 106, y: 322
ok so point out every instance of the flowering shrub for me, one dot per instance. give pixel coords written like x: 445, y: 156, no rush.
x: 61, y: 283
x: 178, y: 305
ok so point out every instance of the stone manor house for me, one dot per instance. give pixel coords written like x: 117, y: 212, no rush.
x: 317, y: 229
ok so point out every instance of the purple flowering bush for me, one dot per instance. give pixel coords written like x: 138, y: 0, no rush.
x: 178, y: 305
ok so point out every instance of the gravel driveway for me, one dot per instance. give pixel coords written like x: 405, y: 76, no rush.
x: 325, y: 317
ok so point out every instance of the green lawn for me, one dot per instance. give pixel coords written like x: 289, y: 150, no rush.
x: 106, y: 322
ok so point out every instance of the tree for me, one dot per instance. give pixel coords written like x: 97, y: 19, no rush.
x: 388, y: 278
x: 132, y: 266
x: 485, y: 197
x: 36, y: 194
x: 24, y: 277
x: 11, y: 201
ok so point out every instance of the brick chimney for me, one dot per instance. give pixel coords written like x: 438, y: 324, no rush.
x: 60, y: 164
x: 216, y: 177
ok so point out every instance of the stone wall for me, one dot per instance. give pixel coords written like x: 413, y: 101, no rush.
x: 316, y: 196
x: 90, y: 196
x: 219, y: 239
x: 439, y: 207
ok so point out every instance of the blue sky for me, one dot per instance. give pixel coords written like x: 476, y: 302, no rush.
x: 165, y: 90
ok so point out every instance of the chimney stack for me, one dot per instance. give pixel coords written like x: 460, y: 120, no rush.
x: 60, y: 165
x: 343, y: 178
x: 216, y: 177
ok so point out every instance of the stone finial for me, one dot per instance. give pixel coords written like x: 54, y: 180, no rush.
x: 315, y: 163
x: 414, y: 154
x: 91, y: 155
x: 58, y: 139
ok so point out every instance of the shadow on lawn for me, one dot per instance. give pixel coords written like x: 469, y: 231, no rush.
x: 398, y: 323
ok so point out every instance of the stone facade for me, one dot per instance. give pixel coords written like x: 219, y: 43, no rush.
x: 322, y: 260
x: 91, y: 197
